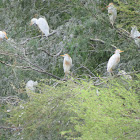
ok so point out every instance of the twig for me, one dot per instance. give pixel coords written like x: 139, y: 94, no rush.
x: 11, y: 128
x: 31, y: 68
x: 53, y: 55
x: 133, y: 72
x: 103, y: 42
x: 124, y: 32
x: 39, y: 69
x: 129, y: 73
x: 22, y: 43
x: 10, y: 100
x: 84, y: 68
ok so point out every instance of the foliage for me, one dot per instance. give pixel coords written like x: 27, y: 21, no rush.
x: 75, y: 22
x: 110, y: 112
x: 46, y: 114
x: 129, y: 13
x: 99, y: 108
x: 71, y: 111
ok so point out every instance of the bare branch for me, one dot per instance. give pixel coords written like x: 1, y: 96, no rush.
x: 13, y: 100
x: 53, y: 55
x: 25, y: 41
x: 124, y: 32
x: 37, y: 68
x: 11, y: 128
x: 103, y: 42
x: 84, y: 68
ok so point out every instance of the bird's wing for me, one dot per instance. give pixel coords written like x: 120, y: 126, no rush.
x: 113, y: 61
x: 132, y: 33
x: 138, y: 33
x: 135, y: 33
x: 70, y: 62
x: 67, y: 64
x: 43, y: 25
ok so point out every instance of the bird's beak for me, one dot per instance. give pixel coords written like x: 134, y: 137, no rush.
x: 62, y: 55
x: 6, y: 37
x: 107, y: 6
x: 121, y: 51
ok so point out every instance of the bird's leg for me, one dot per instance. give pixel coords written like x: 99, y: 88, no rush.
x: 71, y: 74
x: 65, y: 76
x: 112, y: 25
x: 42, y: 34
x: 111, y: 73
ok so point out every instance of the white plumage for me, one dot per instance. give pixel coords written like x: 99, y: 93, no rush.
x: 113, y: 60
x: 67, y: 64
x: 3, y: 35
x: 135, y: 34
x: 31, y: 85
x: 112, y: 13
x: 42, y: 24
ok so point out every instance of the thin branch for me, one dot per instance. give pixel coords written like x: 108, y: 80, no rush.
x: 25, y: 41
x: 124, y: 32
x: 39, y: 69
x: 11, y: 128
x: 129, y: 73
x: 103, y: 42
x: 84, y: 68
x: 53, y: 55
x: 10, y: 100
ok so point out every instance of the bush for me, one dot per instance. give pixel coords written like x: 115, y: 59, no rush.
x: 84, y: 111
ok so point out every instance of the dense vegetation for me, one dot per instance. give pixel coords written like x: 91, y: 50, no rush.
x: 90, y: 105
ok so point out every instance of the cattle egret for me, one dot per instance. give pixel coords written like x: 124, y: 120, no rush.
x: 67, y: 63
x: 42, y: 24
x: 135, y: 34
x: 3, y: 35
x: 113, y: 61
x: 112, y: 13
x: 30, y: 85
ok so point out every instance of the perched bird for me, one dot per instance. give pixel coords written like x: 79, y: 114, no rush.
x: 135, y: 34
x: 3, y: 35
x: 113, y: 61
x: 112, y: 13
x: 67, y: 64
x: 42, y: 24
x: 30, y: 86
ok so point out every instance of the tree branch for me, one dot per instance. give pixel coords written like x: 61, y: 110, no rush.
x: 37, y: 68
x: 25, y: 41
x: 10, y: 100
x: 52, y: 55
x: 11, y: 128
x: 103, y: 42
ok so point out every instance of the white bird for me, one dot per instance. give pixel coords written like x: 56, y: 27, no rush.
x: 30, y: 86
x: 113, y: 61
x: 67, y: 64
x: 135, y: 34
x: 3, y: 35
x: 42, y: 24
x: 112, y: 13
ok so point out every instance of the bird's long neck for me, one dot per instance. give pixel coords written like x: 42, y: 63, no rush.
x: 117, y: 53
